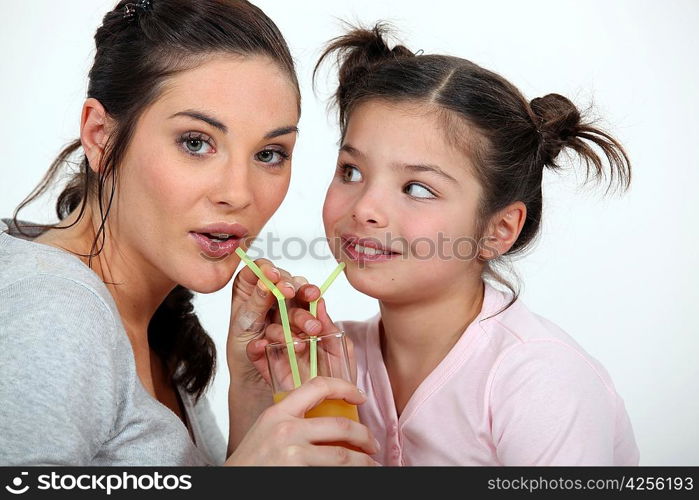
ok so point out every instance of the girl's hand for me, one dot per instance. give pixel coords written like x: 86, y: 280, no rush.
x: 282, y: 436
x: 303, y: 325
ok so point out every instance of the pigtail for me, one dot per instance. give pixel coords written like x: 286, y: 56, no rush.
x: 561, y: 126
x: 356, y: 53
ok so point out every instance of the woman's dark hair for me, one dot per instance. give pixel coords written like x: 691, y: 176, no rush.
x: 514, y: 139
x: 140, y: 45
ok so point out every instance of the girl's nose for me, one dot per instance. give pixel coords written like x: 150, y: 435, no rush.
x: 369, y: 211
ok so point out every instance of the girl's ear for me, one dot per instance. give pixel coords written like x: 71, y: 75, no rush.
x: 503, y: 231
x: 94, y: 130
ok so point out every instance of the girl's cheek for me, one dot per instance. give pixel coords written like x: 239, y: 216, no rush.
x: 334, y: 207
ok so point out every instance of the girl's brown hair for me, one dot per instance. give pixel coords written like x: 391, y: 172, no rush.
x: 515, y: 139
x: 140, y: 45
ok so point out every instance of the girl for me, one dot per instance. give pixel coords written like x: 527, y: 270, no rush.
x: 185, y: 142
x: 438, y: 179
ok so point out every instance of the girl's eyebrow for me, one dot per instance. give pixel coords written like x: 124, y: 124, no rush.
x: 420, y: 167
x: 348, y: 148
x: 430, y: 168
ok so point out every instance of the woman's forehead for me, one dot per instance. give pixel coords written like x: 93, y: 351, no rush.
x: 230, y: 85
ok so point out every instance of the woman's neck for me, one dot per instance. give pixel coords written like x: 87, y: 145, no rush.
x: 416, y: 337
x: 136, y: 287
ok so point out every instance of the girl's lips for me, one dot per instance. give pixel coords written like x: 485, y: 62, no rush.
x: 215, y: 249
x: 363, y: 257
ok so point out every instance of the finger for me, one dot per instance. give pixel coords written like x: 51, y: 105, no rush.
x: 251, y: 316
x: 255, y: 350
x: 310, y: 394
x: 305, y: 295
x: 319, y: 456
x: 248, y: 277
x: 322, y: 315
x: 274, y: 333
x: 305, y: 322
x: 330, y: 430
x: 299, y: 281
x: 285, y: 283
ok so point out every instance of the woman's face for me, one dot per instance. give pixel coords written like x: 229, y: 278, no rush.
x: 401, y: 210
x: 208, y: 164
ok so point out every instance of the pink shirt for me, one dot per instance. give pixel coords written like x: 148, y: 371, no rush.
x: 514, y: 390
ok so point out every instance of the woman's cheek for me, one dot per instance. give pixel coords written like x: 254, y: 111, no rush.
x: 272, y: 195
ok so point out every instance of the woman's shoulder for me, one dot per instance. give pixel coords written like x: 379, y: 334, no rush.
x: 29, y: 268
x: 44, y: 289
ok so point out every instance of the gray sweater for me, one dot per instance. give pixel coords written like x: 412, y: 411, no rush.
x: 69, y: 391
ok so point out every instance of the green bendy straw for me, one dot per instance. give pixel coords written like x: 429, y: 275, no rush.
x: 314, y: 305
x: 314, y: 311
x: 281, y: 300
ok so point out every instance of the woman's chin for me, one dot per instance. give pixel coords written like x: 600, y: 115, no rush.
x: 208, y: 281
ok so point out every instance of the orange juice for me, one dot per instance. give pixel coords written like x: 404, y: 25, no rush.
x: 328, y: 408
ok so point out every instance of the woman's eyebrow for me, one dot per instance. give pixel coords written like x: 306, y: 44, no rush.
x: 282, y: 131
x: 199, y: 115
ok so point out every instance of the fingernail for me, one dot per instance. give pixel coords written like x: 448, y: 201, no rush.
x: 361, y: 392
x: 276, y: 272
x: 313, y: 326
x: 290, y: 285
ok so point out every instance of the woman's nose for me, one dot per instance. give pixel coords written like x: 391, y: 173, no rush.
x: 233, y: 188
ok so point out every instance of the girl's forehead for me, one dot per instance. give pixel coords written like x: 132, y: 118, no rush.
x: 409, y: 131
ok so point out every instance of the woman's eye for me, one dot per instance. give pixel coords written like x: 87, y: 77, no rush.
x: 418, y: 191
x: 196, y: 144
x: 351, y: 174
x: 272, y: 157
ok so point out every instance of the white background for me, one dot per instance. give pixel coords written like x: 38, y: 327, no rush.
x: 618, y: 274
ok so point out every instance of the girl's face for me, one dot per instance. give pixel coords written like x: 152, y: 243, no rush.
x: 401, y: 209
x: 211, y: 157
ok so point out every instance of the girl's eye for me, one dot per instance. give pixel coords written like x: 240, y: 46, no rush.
x: 273, y: 157
x: 418, y: 191
x: 350, y: 174
x: 196, y: 144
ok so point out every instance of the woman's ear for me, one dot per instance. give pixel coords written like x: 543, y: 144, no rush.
x: 503, y: 231
x: 94, y: 131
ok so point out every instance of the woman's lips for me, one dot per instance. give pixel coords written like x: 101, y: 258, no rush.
x: 216, y: 250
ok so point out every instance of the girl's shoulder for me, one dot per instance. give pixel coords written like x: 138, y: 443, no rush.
x: 359, y: 331
x: 521, y: 340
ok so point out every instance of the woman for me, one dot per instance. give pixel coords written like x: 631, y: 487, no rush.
x: 187, y: 134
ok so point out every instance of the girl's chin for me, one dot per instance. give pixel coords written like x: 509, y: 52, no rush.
x: 378, y: 291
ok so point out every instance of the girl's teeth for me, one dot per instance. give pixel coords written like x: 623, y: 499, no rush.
x: 221, y: 236
x: 369, y: 251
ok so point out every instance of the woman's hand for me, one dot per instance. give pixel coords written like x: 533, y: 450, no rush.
x: 300, y: 321
x: 282, y: 436
x: 254, y: 307
x: 251, y: 311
